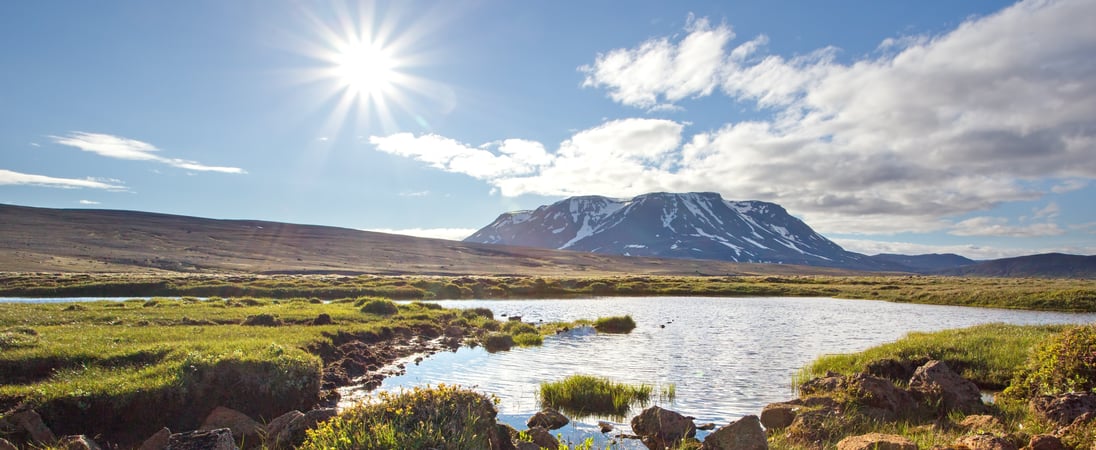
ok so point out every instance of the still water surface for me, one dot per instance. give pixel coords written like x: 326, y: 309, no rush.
x: 728, y: 357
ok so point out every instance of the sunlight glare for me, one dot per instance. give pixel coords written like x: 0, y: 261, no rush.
x: 365, y: 69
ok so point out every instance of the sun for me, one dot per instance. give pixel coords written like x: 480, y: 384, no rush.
x: 364, y: 69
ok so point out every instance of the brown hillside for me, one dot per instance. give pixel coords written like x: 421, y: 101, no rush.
x: 78, y: 240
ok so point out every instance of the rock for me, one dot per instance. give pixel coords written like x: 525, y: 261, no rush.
x: 1063, y: 409
x: 275, y: 427
x: 985, y: 442
x: 829, y: 383
x: 661, y: 428
x: 514, y: 318
x: 30, y: 421
x: 814, y: 425
x: 604, y: 426
x: 7, y: 445
x: 506, y: 435
x: 157, y: 441
x: 982, y: 424
x: 876, y: 441
x: 777, y: 416
x: 77, y: 442
x: 523, y: 445
x: 323, y: 319
x: 881, y: 395
x: 242, y: 426
x: 1045, y: 442
x: 294, y: 432
x: 935, y: 380
x: 542, y: 437
x: 220, y: 439
x: 742, y: 434
x: 709, y: 426
x: 548, y: 418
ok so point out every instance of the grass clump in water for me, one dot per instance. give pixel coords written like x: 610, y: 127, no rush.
x: 528, y: 339
x: 616, y: 324
x: 585, y: 395
x: 445, y: 417
x: 497, y: 342
x: 379, y: 306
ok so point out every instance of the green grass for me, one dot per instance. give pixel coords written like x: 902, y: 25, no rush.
x: 617, y: 324
x: 988, y: 354
x: 444, y: 417
x: 1013, y: 293
x: 1065, y: 362
x: 586, y: 395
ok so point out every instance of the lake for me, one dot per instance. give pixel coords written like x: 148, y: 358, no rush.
x: 728, y: 357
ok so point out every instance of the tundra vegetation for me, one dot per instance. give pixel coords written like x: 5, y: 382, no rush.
x: 1017, y: 363
x: 123, y: 369
x: 1075, y: 295
x: 587, y: 395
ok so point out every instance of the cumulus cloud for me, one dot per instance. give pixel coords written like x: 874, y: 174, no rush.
x: 9, y: 178
x: 131, y: 149
x: 88, y: 202
x: 999, y: 226
x: 925, y: 129
x: 452, y: 234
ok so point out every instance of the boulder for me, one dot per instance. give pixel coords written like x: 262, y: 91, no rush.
x: 7, y: 445
x: 1063, y: 409
x: 777, y: 416
x: 220, y: 439
x: 742, y: 434
x: 604, y: 426
x: 984, y: 442
x: 876, y: 441
x: 661, y: 428
x: 77, y: 442
x: 242, y: 426
x: 157, y: 441
x: 709, y: 426
x: 524, y: 445
x: 936, y: 381
x: 506, y: 435
x: 548, y: 418
x: 1044, y: 442
x: 294, y: 432
x: 31, y: 422
x: 275, y: 427
x: 982, y: 424
x: 542, y: 437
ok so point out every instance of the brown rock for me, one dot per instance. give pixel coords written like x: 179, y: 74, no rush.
x: 294, y: 433
x: 548, y: 418
x: 876, y: 441
x: 242, y: 426
x: 982, y: 424
x: 1045, y: 442
x: 935, y: 380
x: 742, y: 434
x: 220, y: 439
x: 985, y: 442
x: 275, y: 427
x: 777, y: 416
x: 604, y: 426
x: 524, y: 445
x: 157, y: 441
x: 30, y: 421
x: 7, y: 445
x: 506, y: 435
x: 661, y: 428
x: 1063, y: 409
x: 542, y: 437
x: 77, y: 442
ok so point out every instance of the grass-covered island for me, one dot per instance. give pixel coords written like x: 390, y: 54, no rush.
x: 120, y: 371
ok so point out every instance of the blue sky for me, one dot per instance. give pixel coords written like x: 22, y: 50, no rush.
x: 966, y: 127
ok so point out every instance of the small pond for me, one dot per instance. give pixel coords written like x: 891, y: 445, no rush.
x: 728, y: 357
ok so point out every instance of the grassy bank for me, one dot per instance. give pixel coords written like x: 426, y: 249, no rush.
x: 1025, y: 361
x: 1037, y: 294
x: 124, y: 369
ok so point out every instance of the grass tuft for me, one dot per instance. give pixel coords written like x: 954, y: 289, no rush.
x: 586, y: 395
x: 379, y: 306
x: 617, y: 324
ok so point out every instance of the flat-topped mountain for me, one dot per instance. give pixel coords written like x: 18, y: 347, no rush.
x: 668, y: 225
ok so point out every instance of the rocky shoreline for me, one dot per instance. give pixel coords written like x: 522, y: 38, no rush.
x: 352, y: 362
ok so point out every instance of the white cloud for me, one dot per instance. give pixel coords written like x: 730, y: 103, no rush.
x: 1049, y: 211
x: 414, y: 194
x: 660, y: 72
x: 88, y: 202
x: 8, y: 178
x: 999, y: 226
x: 453, y: 234
x: 131, y: 149
x: 925, y: 129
